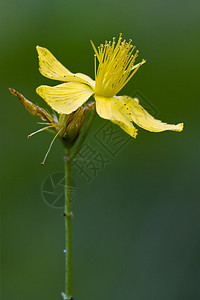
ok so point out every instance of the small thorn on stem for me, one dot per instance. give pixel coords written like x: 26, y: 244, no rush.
x: 64, y: 214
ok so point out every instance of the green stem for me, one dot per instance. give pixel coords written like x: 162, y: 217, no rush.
x: 68, y: 217
x: 67, y: 211
x: 84, y: 135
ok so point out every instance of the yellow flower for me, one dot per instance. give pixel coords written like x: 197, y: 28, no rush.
x: 115, y: 68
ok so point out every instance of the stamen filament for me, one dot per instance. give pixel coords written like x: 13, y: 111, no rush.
x: 95, y: 49
x: 135, y: 70
x: 41, y: 129
x: 43, y: 123
x: 42, y: 163
x: 95, y: 66
x: 141, y: 63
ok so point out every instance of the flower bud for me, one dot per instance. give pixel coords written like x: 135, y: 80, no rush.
x: 75, y: 122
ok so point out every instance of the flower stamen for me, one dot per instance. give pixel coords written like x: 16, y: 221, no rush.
x: 95, y: 66
x: 115, y: 66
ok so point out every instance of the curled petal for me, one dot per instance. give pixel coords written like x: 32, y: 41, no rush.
x: 142, y: 118
x: 66, y: 97
x: 111, y: 109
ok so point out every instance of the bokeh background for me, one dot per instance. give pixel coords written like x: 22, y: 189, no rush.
x: 136, y: 225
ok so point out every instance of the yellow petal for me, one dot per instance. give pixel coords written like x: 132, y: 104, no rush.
x: 131, y: 130
x: 111, y: 109
x: 87, y: 79
x: 66, y: 97
x: 51, y: 68
x: 142, y: 118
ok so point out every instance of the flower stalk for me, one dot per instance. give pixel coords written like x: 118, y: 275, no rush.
x: 68, y: 235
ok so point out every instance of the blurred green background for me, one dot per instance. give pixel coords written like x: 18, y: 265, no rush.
x: 136, y: 226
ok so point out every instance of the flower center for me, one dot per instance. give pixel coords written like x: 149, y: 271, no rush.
x: 116, y: 66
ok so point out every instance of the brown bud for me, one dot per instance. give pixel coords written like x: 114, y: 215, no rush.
x: 33, y: 109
